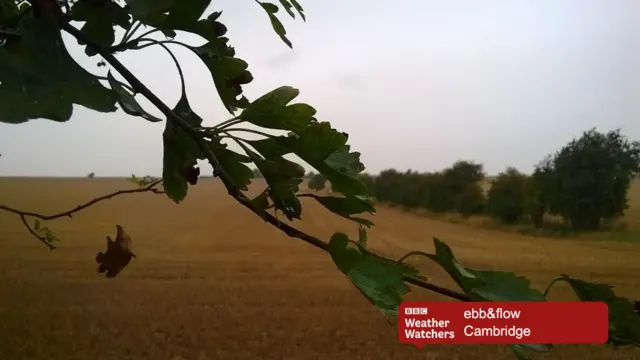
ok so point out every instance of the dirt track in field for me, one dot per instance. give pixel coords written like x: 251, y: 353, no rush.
x: 212, y: 281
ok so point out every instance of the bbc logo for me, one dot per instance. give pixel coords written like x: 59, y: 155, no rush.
x: 415, y: 311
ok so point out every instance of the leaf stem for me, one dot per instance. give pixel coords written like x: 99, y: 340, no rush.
x: 146, y: 34
x: 257, y: 132
x: 127, y: 35
x: 233, y: 121
x: 175, y: 60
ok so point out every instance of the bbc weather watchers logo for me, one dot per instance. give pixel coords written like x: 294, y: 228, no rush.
x: 23, y: 2
x: 416, y: 311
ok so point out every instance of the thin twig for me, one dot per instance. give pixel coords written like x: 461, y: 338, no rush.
x: 219, y: 170
x: 24, y: 214
x: 69, y: 213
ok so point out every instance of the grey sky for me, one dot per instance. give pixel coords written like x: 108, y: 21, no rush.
x: 416, y: 83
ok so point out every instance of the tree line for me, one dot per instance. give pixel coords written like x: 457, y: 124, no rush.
x: 585, y: 183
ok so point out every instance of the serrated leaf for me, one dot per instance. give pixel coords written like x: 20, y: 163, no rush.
x: 299, y: 9
x: 150, y: 12
x: 315, y: 144
x: 379, y: 281
x: 127, y: 102
x: 180, y: 152
x: 100, y: 18
x: 346, y: 162
x: 346, y: 206
x: 39, y: 79
x: 624, y: 322
x: 283, y: 177
x: 228, y: 73
x: 261, y: 202
x: 184, y: 13
x: 233, y: 164
x: 271, y: 111
x: 487, y: 285
x: 287, y: 6
x: 271, y: 10
x: 504, y: 286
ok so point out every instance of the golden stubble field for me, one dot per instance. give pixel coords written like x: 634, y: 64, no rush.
x: 212, y: 281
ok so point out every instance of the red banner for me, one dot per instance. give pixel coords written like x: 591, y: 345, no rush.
x: 543, y: 322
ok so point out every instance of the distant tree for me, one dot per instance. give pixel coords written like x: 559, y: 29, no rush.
x: 388, y: 185
x: 470, y: 200
x: 590, y: 178
x: 437, y: 197
x: 317, y: 182
x: 540, y: 191
x: 91, y: 175
x: 460, y: 188
x: 462, y: 173
x: 507, y: 198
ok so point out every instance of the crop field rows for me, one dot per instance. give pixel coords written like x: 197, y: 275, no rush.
x: 212, y: 281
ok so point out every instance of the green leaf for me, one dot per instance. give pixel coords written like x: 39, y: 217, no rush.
x: 283, y: 177
x: 287, y: 6
x: 271, y: 111
x: 346, y: 162
x: 150, y: 12
x: 127, y: 102
x: 184, y: 13
x: 180, y: 152
x: 485, y: 285
x: 228, y: 72
x: 624, y: 322
x: 233, y: 164
x: 346, y: 206
x: 379, y: 281
x: 271, y: 10
x: 261, y: 202
x: 298, y: 9
x: 521, y: 352
x: 100, y: 19
x: 488, y: 285
x: 39, y: 79
x: 504, y: 286
x: 316, y: 144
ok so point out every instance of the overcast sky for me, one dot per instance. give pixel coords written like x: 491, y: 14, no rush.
x: 416, y: 83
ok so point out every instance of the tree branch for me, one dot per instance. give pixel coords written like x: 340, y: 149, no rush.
x: 140, y: 88
x: 69, y: 213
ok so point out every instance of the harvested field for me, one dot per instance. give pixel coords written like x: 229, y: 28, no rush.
x: 212, y: 281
